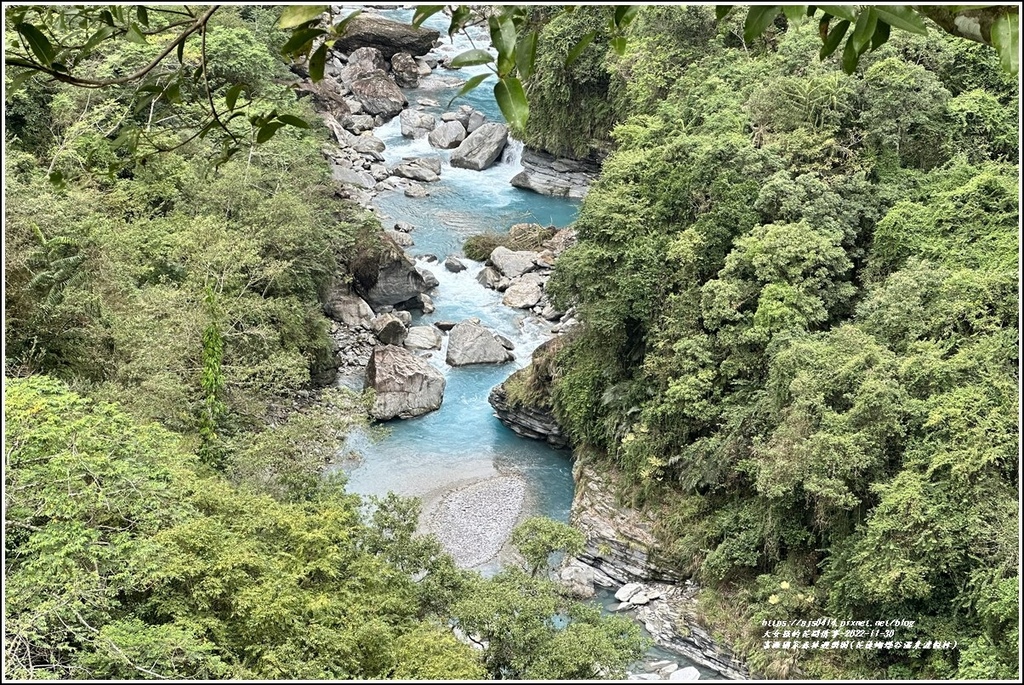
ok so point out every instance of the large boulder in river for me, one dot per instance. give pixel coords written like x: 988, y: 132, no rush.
x: 388, y: 277
x: 342, y: 305
x: 416, y: 124
x: 405, y: 70
x: 481, y: 148
x: 471, y: 343
x: 423, y: 338
x: 419, y: 169
x: 379, y: 95
x: 390, y: 37
x: 405, y: 385
x: 513, y: 263
x: 389, y: 329
x: 522, y: 295
x: 447, y: 135
x: 363, y: 62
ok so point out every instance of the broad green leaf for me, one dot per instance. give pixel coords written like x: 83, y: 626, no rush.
x: 468, y: 86
x: 759, y: 18
x: 142, y: 14
x: 317, y: 62
x: 503, y: 35
x: 134, y: 35
x: 267, y: 131
x: 850, y: 56
x: 624, y: 14
x: 299, y: 39
x: 835, y: 37
x: 37, y: 42
x: 580, y: 46
x: 424, y: 12
x: 902, y: 17
x: 13, y: 84
x: 794, y: 13
x: 101, y: 35
x: 339, y: 28
x: 232, y: 95
x: 512, y: 100
x: 881, y: 35
x: 847, y: 12
x: 181, y: 52
x: 526, y: 54
x: 293, y: 120
x: 471, y: 58
x: 57, y: 178
x: 1006, y: 41
x: 619, y: 45
x: 297, y: 15
x: 864, y: 30
x: 722, y: 11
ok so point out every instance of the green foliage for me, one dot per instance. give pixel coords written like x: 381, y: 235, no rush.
x: 537, y: 538
x: 528, y: 632
x: 798, y: 290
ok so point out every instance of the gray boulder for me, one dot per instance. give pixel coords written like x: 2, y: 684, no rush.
x: 415, y: 172
x: 447, y: 135
x: 401, y: 239
x: 366, y: 144
x: 351, y: 177
x: 405, y: 70
x: 389, y: 329
x: 454, y: 265
x: 522, y: 295
x: 476, y: 120
x: 391, y: 280
x: 357, y: 123
x: 481, y: 148
x: 488, y: 277
x: 362, y: 62
x: 405, y: 385
x: 423, y: 338
x: 471, y: 343
x: 416, y: 124
x: 513, y: 263
x: 415, y: 190
x: 379, y: 95
x: 684, y: 675
x: 404, y: 227
x: 390, y: 37
x: 342, y: 305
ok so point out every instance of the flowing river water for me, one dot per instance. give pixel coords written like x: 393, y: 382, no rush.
x: 462, y: 446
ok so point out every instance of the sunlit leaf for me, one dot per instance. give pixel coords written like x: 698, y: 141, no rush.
x: 297, y: 15
x: 758, y: 19
x: 794, y: 13
x: 37, y: 42
x: 847, y: 12
x: 293, y: 120
x: 624, y: 14
x: 511, y: 99
x: 526, y: 54
x: 267, y: 131
x: 864, y: 30
x: 902, y: 17
x: 471, y: 58
x: 232, y: 95
x: 299, y: 39
x: 1006, y: 41
x: 468, y: 86
x: 317, y: 62
x: 835, y: 37
x: 424, y: 12
x: 618, y: 44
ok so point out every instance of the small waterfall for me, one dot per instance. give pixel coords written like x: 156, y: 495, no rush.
x: 513, y: 154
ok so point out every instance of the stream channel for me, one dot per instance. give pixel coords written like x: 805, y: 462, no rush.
x: 474, y: 476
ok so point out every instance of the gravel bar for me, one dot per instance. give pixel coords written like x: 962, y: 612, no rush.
x: 474, y: 522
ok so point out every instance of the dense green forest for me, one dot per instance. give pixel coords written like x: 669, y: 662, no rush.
x: 799, y: 291
x: 800, y: 297
x: 165, y: 514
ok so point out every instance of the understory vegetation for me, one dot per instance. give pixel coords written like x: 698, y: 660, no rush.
x: 166, y: 420
x: 799, y: 291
